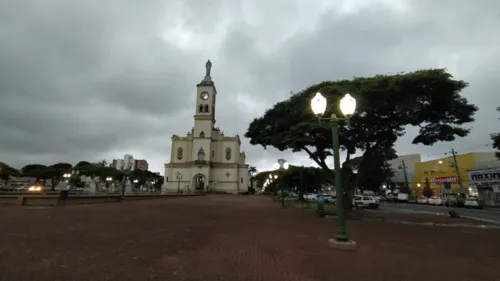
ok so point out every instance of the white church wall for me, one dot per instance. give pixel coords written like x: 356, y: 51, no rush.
x: 171, y: 181
x: 186, y: 151
x: 233, y: 145
x: 204, y: 126
x: 201, y: 143
x: 244, y: 178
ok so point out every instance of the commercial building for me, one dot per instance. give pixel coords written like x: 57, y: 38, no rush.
x: 485, y: 182
x: 444, y: 175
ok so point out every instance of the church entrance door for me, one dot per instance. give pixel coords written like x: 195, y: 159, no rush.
x: 199, y: 182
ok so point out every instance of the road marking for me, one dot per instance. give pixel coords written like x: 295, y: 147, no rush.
x: 481, y: 219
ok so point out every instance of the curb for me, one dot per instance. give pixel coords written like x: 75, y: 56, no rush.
x: 496, y: 224
x: 483, y: 220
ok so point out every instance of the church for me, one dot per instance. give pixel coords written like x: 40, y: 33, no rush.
x: 205, y: 159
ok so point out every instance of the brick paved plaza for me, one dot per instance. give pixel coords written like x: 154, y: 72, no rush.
x: 229, y: 238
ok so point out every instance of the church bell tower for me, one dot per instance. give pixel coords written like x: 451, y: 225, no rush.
x: 204, y: 116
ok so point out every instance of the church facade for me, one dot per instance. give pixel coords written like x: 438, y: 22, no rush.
x: 205, y: 159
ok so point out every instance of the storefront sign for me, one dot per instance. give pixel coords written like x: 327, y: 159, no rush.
x: 440, y: 180
x: 484, y: 176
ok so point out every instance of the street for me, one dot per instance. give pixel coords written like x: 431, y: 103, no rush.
x: 490, y: 215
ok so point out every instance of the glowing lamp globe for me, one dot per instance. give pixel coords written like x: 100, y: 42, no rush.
x: 348, y: 105
x: 276, y: 166
x: 285, y: 166
x: 318, y: 104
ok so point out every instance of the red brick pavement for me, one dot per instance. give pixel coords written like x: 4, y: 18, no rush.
x: 229, y: 238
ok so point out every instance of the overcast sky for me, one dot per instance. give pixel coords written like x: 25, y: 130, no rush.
x: 96, y: 79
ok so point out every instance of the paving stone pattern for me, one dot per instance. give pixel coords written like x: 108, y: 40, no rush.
x: 223, y: 237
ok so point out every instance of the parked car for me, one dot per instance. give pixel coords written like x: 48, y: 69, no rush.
x: 434, y: 200
x: 412, y: 199
x: 390, y: 197
x: 367, y: 201
x: 310, y: 197
x: 330, y: 199
x: 422, y: 200
x: 472, y: 203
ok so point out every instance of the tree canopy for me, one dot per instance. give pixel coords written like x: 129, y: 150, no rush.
x: 386, y: 106
x: 56, y: 171
x: 303, y: 178
x: 496, y: 140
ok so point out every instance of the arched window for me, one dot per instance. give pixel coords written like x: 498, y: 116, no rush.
x: 202, y: 134
x: 228, y: 153
x: 167, y: 178
x: 241, y: 180
x: 201, y: 108
x: 206, y: 107
x: 213, y: 153
x: 179, y: 153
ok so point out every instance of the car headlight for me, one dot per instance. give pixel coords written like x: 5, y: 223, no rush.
x: 38, y: 188
x: 32, y: 188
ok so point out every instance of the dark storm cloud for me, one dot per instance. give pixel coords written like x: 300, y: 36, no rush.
x: 94, y: 79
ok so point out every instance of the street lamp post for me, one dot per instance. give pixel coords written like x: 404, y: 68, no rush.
x: 108, y: 182
x: 124, y: 184
x: 282, y: 165
x: 178, y: 176
x: 214, y: 184
x: 270, y: 181
x: 347, y: 107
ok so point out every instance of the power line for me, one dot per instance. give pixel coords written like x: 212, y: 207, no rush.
x: 470, y: 150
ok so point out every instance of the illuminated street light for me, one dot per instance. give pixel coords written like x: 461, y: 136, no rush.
x: 347, y: 107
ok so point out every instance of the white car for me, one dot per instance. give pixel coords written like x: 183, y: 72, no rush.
x: 330, y: 199
x: 310, y: 197
x: 472, y: 203
x: 367, y: 201
x: 422, y: 200
x: 434, y: 200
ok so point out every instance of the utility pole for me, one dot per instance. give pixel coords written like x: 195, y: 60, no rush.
x: 457, y: 170
x: 403, y: 166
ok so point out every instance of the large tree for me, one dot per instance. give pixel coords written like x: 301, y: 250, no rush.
x: 6, y: 172
x: 303, y: 178
x: 387, y: 105
x: 496, y: 140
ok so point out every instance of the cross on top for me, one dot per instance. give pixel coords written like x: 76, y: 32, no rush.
x: 228, y: 174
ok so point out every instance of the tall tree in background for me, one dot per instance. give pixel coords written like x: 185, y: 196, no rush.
x: 252, y: 171
x: 496, y: 140
x: 6, y: 172
x: 387, y: 104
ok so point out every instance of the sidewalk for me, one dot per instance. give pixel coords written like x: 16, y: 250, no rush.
x: 230, y: 238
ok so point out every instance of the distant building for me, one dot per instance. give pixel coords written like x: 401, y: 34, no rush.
x: 141, y: 165
x: 409, y: 161
x: 129, y: 163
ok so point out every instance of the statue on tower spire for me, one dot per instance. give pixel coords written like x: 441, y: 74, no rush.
x: 208, y: 66
x: 208, y: 79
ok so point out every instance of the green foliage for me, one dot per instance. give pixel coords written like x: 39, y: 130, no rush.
x: 386, y: 105
x: 6, y: 172
x: 55, y: 172
x: 252, y: 171
x: 305, y: 179
x: 496, y: 140
x: 82, y: 164
x: 62, y: 166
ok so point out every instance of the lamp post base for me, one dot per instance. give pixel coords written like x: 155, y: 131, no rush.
x: 348, y: 245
